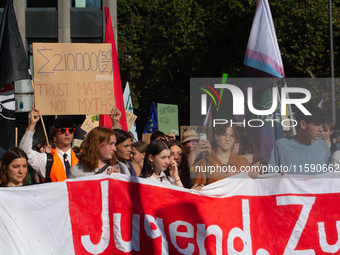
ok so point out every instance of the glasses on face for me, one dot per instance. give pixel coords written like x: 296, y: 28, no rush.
x: 227, y: 135
x: 63, y: 130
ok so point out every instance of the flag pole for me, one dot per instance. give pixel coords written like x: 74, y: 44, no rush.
x: 290, y: 112
x: 263, y: 49
x: 331, y: 59
x: 105, y: 119
x: 13, y: 67
x: 42, y: 120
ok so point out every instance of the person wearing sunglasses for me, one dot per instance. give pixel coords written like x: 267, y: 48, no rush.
x: 53, y: 167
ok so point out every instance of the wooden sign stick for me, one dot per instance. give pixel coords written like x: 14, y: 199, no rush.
x: 42, y: 120
x: 16, y: 137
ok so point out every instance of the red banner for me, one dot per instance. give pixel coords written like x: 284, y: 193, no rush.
x: 233, y: 216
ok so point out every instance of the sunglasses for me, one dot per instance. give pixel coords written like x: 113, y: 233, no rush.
x: 63, y: 130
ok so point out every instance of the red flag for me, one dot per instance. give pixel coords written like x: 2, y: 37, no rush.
x: 105, y: 120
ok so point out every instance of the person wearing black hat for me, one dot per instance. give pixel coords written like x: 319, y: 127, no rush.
x: 63, y: 156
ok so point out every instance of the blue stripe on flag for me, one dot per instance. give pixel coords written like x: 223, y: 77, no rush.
x: 261, y: 66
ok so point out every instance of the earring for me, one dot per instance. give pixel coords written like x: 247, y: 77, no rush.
x: 151, y: 166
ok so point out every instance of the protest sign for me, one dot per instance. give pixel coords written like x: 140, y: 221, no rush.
x: 76, y: 142
x: 146, y: 137
x: 130, y: 118
x: 73, y: 78
x: 89, y: 123
x: 119, y: 214
x: 168, y: 118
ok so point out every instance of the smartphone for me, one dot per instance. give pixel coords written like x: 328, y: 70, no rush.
x: 203, y: 136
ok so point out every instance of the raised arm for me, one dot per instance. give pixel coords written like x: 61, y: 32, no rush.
x: 36, y: 159
x: 116, y: 115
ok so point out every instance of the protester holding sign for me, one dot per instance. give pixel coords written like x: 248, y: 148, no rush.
x: 63, y: 156
x: 115, y: 116
x: 98, y: 154
x: 157, y: 161
x: 13, y: 171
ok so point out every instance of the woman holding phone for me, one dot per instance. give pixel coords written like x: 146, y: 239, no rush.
x: 221, y: 158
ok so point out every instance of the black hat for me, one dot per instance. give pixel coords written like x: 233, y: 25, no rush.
x: 63, y: 121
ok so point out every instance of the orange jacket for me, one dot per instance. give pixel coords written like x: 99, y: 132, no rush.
x: 235, y: 163
x: 58, y: 173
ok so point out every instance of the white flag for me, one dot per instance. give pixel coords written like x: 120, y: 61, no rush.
x: 263, y: 58
x: 129, y: 107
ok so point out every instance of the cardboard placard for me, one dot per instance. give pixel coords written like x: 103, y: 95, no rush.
x: 90, y: 123
x: 130, y: 118
x: 76, y: 142
x: 168, y: 118
x: 146, y: 137
x: 73, y: 78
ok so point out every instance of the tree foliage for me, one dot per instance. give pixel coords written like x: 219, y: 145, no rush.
x: 164, y: 43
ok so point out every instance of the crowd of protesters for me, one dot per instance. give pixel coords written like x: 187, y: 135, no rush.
x: 186, y: 163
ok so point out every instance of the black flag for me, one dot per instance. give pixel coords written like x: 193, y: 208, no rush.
x: 13, y: 67
x: 13, y: 58
x: 7, y: 117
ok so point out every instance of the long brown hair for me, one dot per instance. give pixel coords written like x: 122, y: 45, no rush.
x: 91, y: 153
x: 10, y: 155
x: 183, y: 168
x: 154, y: 148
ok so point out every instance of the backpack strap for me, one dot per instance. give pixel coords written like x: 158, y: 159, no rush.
x: 131, y: 169
x: 103, y: 168
x: 49, y: 164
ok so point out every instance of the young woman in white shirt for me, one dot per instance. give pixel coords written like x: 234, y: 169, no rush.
x: 157, y: 161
